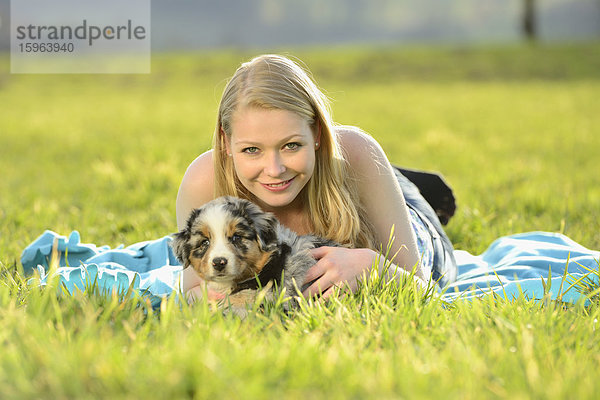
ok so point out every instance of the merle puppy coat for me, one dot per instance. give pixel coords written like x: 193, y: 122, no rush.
x: 237, y: 248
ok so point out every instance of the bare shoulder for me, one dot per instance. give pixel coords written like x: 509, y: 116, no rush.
x: 197, y: 187
x: 363, y: 152
x: 200, y: 171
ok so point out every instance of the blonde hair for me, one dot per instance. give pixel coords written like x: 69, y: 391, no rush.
x: 276, y: 82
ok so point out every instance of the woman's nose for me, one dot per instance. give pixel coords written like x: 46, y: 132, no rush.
x: 274, y: 166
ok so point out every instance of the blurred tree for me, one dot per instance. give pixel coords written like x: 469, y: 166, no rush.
x: 529, y: 27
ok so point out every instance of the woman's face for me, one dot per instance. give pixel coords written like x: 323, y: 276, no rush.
x: 273, y: 154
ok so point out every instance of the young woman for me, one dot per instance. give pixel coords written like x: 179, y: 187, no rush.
x: 276, y: 145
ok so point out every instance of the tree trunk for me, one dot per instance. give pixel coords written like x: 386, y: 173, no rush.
x: 529, y: 27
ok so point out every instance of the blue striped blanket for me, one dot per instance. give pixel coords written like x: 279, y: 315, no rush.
x: 513, y: 265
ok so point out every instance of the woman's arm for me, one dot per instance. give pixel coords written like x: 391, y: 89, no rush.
x: 385, y: 206
x: 382, y: 197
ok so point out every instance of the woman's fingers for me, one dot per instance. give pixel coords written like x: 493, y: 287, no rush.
x: 314, y: 272
x: 320, y: 252
x: 323, y: 276
x: 318, y: 286
x: 325, y: 283
x: 320, y: 267
x: 337, y: 266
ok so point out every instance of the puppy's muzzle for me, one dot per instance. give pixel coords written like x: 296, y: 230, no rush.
x: 219, y: 263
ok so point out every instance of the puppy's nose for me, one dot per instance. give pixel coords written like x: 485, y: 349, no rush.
x: 219, y: 263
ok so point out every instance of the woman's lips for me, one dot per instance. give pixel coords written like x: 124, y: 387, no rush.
x: 277, y: 187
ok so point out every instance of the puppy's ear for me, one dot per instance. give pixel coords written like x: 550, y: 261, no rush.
x: 266, y: 231
x: 181, y: 240
x: 265, y: 224
x: 181, y: 246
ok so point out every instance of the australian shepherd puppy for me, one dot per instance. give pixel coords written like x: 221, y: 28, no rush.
x: 237, y: 248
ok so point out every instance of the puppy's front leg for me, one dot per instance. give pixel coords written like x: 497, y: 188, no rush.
x: 239, y: 302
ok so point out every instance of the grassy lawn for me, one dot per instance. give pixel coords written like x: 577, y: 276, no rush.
x: 515, y: 130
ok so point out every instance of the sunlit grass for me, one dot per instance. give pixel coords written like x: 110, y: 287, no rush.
x: 515, y: 131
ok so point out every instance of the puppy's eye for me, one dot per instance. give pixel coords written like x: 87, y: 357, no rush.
x: 236, y: 238
x: 204, y: 243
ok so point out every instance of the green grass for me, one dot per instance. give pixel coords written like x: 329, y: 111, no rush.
x: 515, y: 130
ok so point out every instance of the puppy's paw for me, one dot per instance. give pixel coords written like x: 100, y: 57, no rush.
x: 241, y: 299
x: 239, y: 303
x: 238, y: 311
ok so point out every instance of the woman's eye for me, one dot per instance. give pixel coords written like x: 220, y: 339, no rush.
x: 250, y: 150
x: 292, y: 146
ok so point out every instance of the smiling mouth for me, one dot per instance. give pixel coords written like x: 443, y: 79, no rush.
x: 278, y: 185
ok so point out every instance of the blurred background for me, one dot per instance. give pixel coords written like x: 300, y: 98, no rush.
x: 501, y: 96
x: 202, y: 24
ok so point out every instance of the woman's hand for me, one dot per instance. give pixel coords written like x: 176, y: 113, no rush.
x: 337, y: 266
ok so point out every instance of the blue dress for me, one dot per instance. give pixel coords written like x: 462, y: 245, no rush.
x: 437, y: 252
